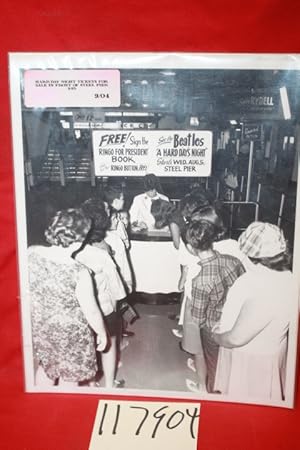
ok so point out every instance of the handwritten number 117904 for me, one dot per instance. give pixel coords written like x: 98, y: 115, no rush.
x: 162, y: 417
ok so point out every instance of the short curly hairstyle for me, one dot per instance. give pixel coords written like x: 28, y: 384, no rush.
x: 112, y: 192
x: 162, y: 210
x: 209, y: 214
x: 68, y: 226
x: 193, y: 201
x: 95, y: 209
x: 201, y: 234
x: 152, y: 182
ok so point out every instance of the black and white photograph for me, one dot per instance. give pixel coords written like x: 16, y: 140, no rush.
x: 158, y: 230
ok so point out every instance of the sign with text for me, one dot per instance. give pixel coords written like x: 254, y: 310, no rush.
x: 72, y: 88
x: 145, y: 425
x: 164, y: 153
x: 262, y: 103
x: 252, y: 131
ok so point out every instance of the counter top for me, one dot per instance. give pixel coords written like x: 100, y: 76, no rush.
x: 151, y: 235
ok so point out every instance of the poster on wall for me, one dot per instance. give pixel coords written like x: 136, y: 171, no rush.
x: 157, y: 214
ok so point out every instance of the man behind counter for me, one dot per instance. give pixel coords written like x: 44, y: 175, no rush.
x: 140, y: 210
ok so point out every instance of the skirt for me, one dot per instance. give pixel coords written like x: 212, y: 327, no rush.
x: 247, y: 375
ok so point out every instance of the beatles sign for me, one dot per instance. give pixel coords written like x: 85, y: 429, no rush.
x: 165, y: 153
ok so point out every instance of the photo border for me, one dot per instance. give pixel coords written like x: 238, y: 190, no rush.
x: 18, y: 61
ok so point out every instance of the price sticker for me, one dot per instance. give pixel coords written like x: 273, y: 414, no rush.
x: 145, y: 425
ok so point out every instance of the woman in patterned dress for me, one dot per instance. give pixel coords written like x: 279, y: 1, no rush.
x: 67, y: 324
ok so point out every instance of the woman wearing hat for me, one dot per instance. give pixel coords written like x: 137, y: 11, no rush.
x: 260, y: 309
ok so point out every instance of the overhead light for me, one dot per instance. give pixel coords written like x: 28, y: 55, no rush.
x: 145, y: 114
x: 65, y: 124
x: 285, y: 103
x: 112, y: 113
x: 233, y: 122
x: 66, y: 113
x: 168, y: 73
x: 112, y: 125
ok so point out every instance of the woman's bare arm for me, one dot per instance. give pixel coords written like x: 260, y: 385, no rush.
x: 86, y: 298
x: 252, y: 319
x: 175, y: 233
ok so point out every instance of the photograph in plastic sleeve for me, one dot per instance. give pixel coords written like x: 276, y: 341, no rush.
x: 156, y: 201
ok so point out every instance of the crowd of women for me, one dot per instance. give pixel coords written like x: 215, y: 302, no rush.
x: 239, y: 298
x: 239, y: 303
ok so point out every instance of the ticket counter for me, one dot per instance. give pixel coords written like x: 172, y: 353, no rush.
x: 155, y: 262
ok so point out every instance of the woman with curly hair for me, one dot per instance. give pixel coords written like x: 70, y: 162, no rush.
x: 66, y: 321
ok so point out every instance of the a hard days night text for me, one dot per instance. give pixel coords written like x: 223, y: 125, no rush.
x: 173, y: 153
